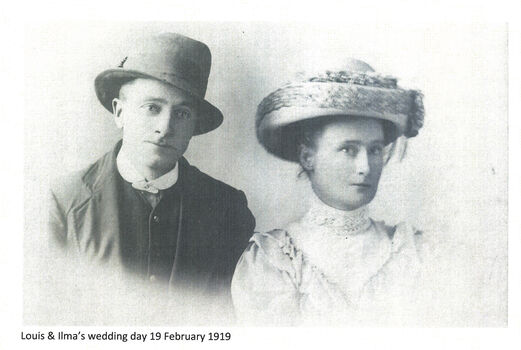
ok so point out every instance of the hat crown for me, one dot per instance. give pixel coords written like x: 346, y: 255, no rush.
x: 354, y: 65
x: 350, y: 65
x: 172, y: 54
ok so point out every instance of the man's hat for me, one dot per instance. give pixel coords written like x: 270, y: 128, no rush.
x: 173, y: 59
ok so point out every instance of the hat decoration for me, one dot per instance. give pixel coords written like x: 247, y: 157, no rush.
x: 350, y: 92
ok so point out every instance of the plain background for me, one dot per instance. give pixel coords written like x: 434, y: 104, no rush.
x: 403, y: 12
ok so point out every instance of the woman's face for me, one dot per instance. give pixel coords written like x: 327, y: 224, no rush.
x: 345, y: 164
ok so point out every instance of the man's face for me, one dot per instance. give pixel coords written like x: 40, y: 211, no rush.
x: 158, y: 122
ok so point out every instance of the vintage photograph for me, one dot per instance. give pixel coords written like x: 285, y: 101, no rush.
x: 266, y: 174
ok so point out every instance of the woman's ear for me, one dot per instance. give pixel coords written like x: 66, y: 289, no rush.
x: 306, y: 157
x: 117, y: 107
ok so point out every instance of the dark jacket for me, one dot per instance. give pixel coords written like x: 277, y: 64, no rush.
x: 215, y: 227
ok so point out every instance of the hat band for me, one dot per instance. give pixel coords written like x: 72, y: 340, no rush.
x: 179, y: 82
x: 339, y: 96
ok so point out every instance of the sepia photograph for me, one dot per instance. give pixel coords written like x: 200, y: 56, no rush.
x: 266, y: 174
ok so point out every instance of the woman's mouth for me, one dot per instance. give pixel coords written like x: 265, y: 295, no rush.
x: 361, y: 185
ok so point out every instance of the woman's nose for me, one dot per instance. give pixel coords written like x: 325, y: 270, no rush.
x: 362, y: 162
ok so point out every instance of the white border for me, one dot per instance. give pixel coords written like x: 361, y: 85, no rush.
x: 16, y: 15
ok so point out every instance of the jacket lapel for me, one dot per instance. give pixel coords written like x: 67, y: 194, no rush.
x: 193, y: 264
x: 96, y: 222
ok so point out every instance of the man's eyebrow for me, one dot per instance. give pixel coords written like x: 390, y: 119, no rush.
x: 155, y: 99
x: 378, y: 141
x: 164, y: 101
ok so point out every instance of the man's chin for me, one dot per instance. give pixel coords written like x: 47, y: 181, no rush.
x: 161, y: 163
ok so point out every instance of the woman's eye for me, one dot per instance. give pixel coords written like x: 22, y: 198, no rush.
x: 152, y: 108
x: 183, y: 114
x: 351, y: 150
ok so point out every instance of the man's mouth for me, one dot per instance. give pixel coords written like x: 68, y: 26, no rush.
x: 160, y: 144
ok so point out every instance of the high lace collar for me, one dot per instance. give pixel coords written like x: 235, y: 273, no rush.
x: 341, y: 222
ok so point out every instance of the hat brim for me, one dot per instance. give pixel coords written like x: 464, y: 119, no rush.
x: 278, y: 131
x: 108, y: 83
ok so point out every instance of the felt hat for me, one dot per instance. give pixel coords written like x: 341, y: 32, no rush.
x: 353, y: 90
x: 173, y: 59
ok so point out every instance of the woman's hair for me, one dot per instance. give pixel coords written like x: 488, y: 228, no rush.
x: 306, y: 133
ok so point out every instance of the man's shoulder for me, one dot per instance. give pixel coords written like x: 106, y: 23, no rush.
x: 206, y: 183
x: 77, y: 186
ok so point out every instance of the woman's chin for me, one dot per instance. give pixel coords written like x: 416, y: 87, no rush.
x: 354, y: 202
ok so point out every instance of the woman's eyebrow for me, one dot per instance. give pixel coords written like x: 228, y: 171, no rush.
x: 351, y: 142
x: 360, y: 142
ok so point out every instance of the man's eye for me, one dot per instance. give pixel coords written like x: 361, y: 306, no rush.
x: 376, y: 150
x: 183, y: 114
x: 151, y: 108
x: 351, y: 150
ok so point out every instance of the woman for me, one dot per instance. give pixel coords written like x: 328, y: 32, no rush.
x: 335, y: 264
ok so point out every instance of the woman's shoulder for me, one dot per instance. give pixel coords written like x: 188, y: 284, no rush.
x: 266, y: 279
x: 404, y: 234
x: 401, y: 230
x: 402, y: 227
x: 276, y: 247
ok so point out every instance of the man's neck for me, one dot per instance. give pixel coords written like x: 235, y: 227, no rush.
x: 147, y: 172
x: 152, y: 174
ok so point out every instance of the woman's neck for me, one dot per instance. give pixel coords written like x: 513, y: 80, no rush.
x: 348, y: 221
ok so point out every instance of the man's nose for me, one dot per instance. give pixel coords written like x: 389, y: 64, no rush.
x: 164, y: 123
x: 362, y: 162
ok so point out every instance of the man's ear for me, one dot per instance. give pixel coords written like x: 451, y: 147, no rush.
x: 306, y: 157
x: 117, y: 107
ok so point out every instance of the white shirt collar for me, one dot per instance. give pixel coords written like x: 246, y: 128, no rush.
x: 129, y: 173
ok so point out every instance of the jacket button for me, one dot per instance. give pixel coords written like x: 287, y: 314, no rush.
x: 155, y: 218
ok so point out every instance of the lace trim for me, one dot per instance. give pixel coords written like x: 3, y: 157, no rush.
x: 341, y: 223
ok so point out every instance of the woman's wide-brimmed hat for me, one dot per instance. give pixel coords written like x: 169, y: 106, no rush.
x: 173, y: 59
x: 354, y: 90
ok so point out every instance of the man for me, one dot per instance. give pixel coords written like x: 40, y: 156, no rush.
x: 141, y: 206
